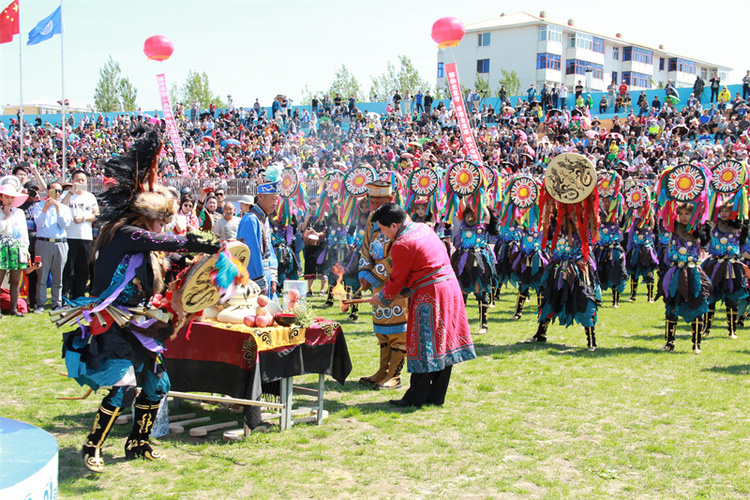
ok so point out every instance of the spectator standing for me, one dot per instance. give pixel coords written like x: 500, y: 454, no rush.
x: 715, y: 84
x: 83, y: 209
x: 563, y: 97
x: 418, y: 101
x: 578, y: 90
x: 226, y: 227
x: 611, y: 91
x: 14, y: 241
x: 746, y: 86
x: 51, y: 218
x: 427, y: 102
x: 698, y: 86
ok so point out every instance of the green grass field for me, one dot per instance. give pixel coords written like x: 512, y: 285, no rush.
x: 520, y: 421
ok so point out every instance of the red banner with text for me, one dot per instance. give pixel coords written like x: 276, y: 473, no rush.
x: 174, y: 136
x: 461, y: 116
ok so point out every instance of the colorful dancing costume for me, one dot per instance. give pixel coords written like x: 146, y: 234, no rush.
x: 474, y: 265
x: 729, y: 276
x: 527, y: 268
x: 610, y: 260
x: 640, y: 258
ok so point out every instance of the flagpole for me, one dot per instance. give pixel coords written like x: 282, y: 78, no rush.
x: 20, y: 87
x: 62, y: 69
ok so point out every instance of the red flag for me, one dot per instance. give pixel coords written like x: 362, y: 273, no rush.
x: 9, y: 22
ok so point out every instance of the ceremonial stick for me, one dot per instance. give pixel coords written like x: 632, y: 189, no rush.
x: 74, y: 398
x: 202, y: 431
x: 354, y: 301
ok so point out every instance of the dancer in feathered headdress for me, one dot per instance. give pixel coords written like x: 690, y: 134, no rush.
x: 728, y: 274
x: 111, y: 348
x: 640, y: 252
x: 569, y: 285
x: 608, y: 252
x: 526, y: 257
x: 685, y: 286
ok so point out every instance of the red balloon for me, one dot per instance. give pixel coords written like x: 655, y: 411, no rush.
x: 448, y: 32
x: 158, y: 48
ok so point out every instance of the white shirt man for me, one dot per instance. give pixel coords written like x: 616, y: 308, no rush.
x: 226, y: 227
x: 83, y: 209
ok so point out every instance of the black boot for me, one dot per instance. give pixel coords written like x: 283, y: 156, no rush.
x: 92, y: 450
x: 697, y: 327
x: 541, y: 333
x: 670, y: 328
x: 520, y: 300
x: 329, y: 300
x: 483, y: 315
x: 590, y: 338
x: 650, y: 290
x: 710, y: 319
x: 615, y: 299
x: 137, y: 445
x: 732, y: 322
x: 354, y: 315
x: 741, y: 320
x: 633, y: 288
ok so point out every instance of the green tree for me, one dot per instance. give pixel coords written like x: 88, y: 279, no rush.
x: 405, y: 79
x: 114, y: 92
x: 197, y: 88
x: 482, y: 85
x: 307, y: 95
x: 510, y: 81
x: 345, y: 84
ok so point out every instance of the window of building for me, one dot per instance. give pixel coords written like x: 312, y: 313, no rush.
x: 614, y: 76
x: 441, y: 70
x: 704, y: 73
x: 598, y: 45
x: 550, y: 33
x: 683, y: 65
x: 579, y: 67
x: 636, y: 79
x: 484, y: 39
x: 483, y: 65
x: 661, y: 64
x: 616, y: 53
x: 638, y: 54
x: 545, y: 60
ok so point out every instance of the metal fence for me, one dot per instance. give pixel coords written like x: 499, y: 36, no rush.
x: 233, y: 187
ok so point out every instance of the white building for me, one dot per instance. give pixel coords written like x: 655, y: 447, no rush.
x: 542, y: 51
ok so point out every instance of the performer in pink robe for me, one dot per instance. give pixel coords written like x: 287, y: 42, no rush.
x: 437, y: 335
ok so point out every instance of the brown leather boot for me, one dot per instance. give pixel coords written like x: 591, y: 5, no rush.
x: 385, y: 355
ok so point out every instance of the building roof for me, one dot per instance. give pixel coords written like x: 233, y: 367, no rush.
x: 524, y: 18
x: 52, y: 103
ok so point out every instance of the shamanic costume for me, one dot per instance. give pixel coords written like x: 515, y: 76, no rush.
x: 388, y: 321
x: 608, y: 252
x: 640, y: 253
x: 684, y: 284
x: 569, y: 285
x: 127, y: 354
x: 438, y: 333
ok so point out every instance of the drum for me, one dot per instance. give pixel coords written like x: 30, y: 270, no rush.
x: 570, y: 178
x: 198, y: 290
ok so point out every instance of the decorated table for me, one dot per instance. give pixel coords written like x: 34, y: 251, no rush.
x: 240, y: 362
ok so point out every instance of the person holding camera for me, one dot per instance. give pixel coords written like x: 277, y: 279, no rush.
x: 14, y: 239
x: 52, y: 219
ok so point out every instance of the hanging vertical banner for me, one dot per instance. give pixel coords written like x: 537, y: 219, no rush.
x: 461, y: 116
x: 174, y: 136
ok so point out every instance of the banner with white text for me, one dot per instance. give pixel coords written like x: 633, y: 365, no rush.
x: 174, y: 136
x: 462, y: 117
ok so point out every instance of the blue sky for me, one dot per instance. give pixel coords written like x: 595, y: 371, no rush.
x: 257, y: 49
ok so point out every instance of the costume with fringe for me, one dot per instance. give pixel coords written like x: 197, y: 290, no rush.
x: 640, y: 258
x: 336, y: 250
x: 282, y: 239
x: 610, y: 258
x: 529, y: 261
x: 569, y: 285
x: 684, y: 285
x: 728, y: 274
x: 472, y: 260
x: 507, y: 246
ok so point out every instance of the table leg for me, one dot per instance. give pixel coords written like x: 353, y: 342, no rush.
x: 321, y: 390
x: 286, y: 389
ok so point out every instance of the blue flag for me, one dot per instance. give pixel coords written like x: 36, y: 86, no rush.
x: 47, y: 28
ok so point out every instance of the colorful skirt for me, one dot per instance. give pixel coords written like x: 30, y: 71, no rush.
x: 475, y: 269
x: 10, y: 257
x: 685, y: 292
x: 729, y: 279
x: 641, y: 261
x: 527, y: 269
x: 610, y: 267
x: 503, y: 264
x: 569, y: 293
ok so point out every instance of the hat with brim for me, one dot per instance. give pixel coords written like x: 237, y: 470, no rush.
x: 18, y: 197
x: 247, y: 200
x: 379, y: 189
